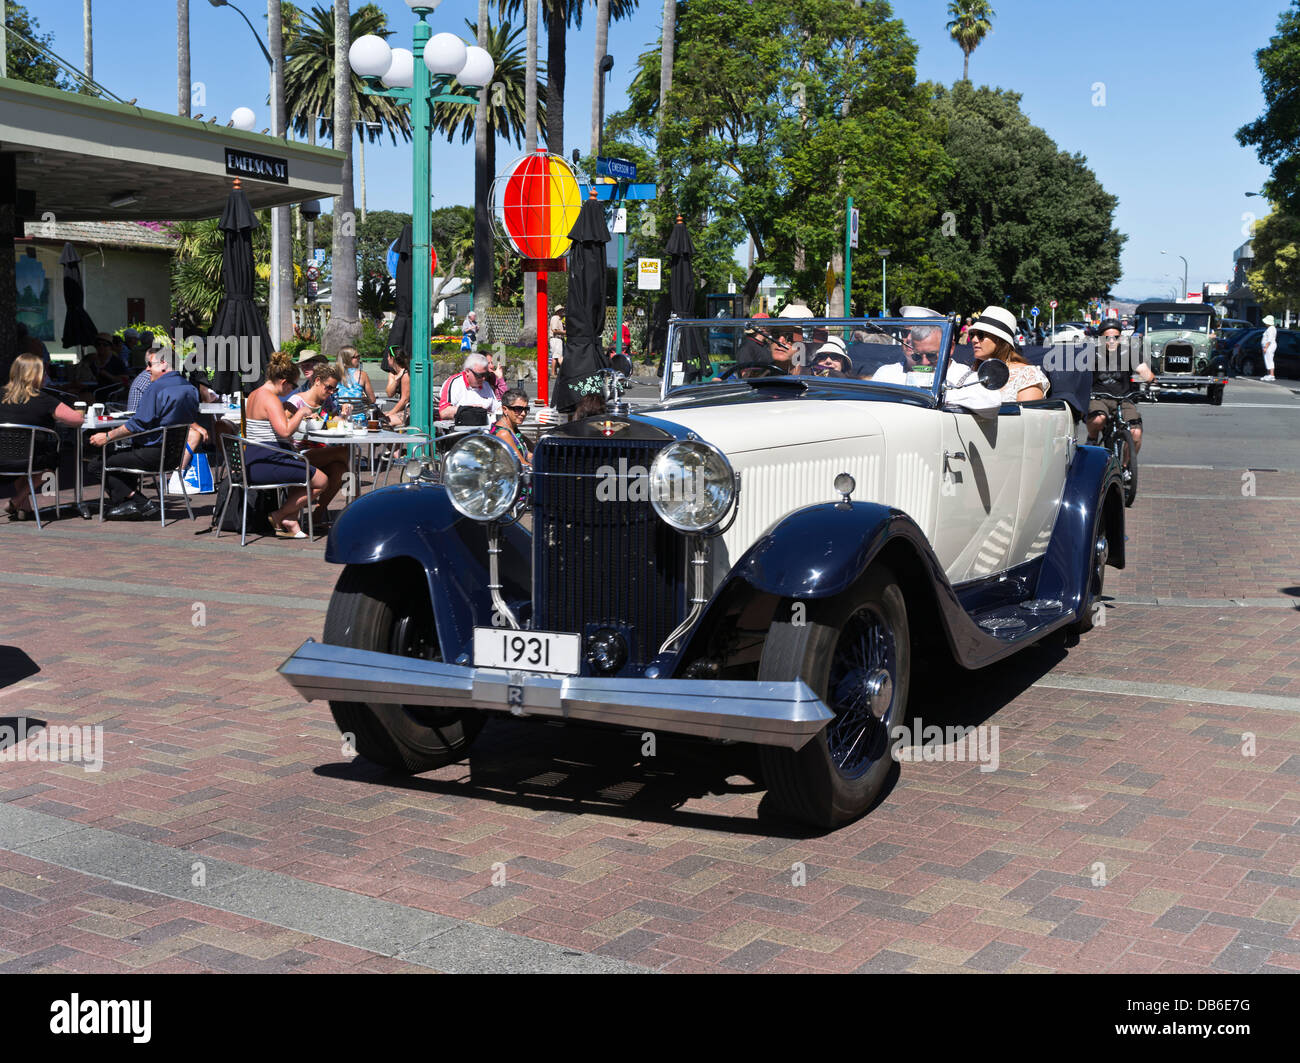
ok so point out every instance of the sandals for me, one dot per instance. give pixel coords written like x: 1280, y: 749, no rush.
x: 281, y: 532
x: 18, y: 514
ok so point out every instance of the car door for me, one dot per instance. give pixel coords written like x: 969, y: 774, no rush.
x: 1287, y: 360
x: 979, y: 491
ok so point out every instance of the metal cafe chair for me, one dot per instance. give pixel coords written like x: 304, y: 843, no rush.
x: 18, y: 445
x: 172, y: 453
x: 236, y: 448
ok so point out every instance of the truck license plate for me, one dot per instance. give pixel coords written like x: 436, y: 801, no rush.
x: 527, y: 651
x: 1180, y: 363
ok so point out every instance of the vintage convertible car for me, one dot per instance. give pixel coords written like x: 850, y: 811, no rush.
x: 763, y: 556
x: 1177, y: 341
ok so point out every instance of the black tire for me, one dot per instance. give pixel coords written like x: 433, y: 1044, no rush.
x: 374, y: 608
x: 1097, y: 576
x: 1127, y: 455
x: 1215, y: 394
x: 834, y: 779
x: 1248, y: 366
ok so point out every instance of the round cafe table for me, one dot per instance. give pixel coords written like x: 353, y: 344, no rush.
x: 357, y: 440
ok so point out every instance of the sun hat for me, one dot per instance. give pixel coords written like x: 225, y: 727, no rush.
x: 796, y: 310
x: 1270, y: 320
x: 306, y: 355
x: 834, y: 348
x: 918, y: 311
x: 997, y: 321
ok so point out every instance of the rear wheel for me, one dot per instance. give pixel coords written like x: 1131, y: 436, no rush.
x: 374, y: 608
x: 1248, y: 366
x: 1127, y: 455
x: 855, y: 654
x: 1096, y: 576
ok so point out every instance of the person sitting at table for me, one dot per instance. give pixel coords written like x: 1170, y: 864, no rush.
x: 514, y: 408
x: 399, y: 387
x: 332, y: 459
x: 267, y: 421
x: 23, y: 402
x: 467, y: 398
x: 354, y: 383
x: 169, y: 399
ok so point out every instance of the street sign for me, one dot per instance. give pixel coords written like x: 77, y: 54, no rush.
x: 1052, y: 304
x: 620, y: 220
x: 648, y: 274
x: 1034, y: 312
x: 606, y: 192
x: 853, y: 228
x: 319, y: 254
x: 618, y: 168
x: 313, y: 274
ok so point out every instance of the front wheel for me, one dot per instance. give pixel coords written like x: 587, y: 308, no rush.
x: 1248, y: 366
x: 374, y: 608
x: 1126, y: 453
x: 855, y: 654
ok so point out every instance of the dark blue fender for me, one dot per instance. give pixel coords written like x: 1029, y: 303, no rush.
x: 1093, y: 491
x: 417, y: 521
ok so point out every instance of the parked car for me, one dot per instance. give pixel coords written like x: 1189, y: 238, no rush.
x: 1174, y: 339
x: 1247, y: 358
x: 764, y: 558
x: 1068, y: 333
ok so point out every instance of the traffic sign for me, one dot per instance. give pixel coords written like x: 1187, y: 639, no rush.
x: 619, y: 168
x: 313, y: 274
x: 853, y: 228
x: 606, y: 192
x: 319, y: 254
x: 1052, y: 304
x: 1034, y: 312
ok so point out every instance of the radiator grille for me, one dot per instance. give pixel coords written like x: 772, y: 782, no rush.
x: 601, y: 557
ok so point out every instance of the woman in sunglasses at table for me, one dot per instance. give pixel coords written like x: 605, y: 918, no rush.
x: 514, y: 408
x: 332, y: 460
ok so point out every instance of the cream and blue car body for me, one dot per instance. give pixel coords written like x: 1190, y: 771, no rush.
x: 835, y: 533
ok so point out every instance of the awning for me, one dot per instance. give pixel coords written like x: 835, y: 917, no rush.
x: 78, y: 155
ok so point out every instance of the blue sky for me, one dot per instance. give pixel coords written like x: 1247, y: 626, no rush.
x: 1179, y: 79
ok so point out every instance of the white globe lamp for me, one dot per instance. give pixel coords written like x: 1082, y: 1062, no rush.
x: 444, y: 54
x: 401, y: 74
x: 243, y: 118
x: 370, y: 56
x: 478, y: 68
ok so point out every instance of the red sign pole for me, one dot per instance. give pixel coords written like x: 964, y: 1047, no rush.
x: 543, y: 340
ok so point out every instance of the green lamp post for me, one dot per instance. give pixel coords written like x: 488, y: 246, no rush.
x: 395, y: 72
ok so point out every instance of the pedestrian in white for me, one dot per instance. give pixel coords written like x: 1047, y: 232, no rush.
x: 556, y: 343
x: 1269, y: 344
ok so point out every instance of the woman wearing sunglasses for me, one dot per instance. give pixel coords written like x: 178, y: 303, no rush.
x: 331, y: 460
x: 514, y: 408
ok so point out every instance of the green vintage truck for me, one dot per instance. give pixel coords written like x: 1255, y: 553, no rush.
x: 1177, y: 341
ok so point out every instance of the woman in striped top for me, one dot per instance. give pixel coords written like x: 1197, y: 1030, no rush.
x: 268, y: 422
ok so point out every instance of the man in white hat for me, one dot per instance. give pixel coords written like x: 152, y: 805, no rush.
x: 1268, y: 342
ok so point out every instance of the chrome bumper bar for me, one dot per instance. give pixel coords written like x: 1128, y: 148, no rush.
x: 1173, y: 381
x: 775, y: 714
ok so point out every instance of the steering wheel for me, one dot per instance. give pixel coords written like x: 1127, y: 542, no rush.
x: 766, y: 366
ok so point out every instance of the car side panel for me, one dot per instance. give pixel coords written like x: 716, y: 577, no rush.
x: 980, y: 492
x: 1048, y: 447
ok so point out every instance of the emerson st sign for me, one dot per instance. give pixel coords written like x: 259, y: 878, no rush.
x: 256, y: 167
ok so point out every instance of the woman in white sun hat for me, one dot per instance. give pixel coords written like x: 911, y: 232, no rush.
x: 1268, y: 346
x: 993, y: 335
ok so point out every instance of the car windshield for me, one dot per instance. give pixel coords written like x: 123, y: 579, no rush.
x: 903, y: 353
x: 1174, y: 321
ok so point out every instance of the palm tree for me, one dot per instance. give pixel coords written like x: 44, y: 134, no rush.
x: 971, y: 20
x: 483, y: 172
x: 507, y: 116
x: 309, y: 76
x: 602, y: 43
x: 344, y: 324
x: 530, y: 146
x: 183, y: 58
x: 560, y: 15
x: 666, y: 55
x: 87, y: 41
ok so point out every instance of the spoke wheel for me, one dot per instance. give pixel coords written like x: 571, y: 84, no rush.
x: 855, y: 654
x: 373, y: 608
x: 1127, y: 455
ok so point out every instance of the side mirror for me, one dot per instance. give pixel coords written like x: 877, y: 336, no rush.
x: 994, y: 374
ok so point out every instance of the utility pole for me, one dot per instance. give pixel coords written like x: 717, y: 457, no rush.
x: 281, y: 289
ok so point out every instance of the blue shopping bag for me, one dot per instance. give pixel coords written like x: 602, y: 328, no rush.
x: 198, y: 477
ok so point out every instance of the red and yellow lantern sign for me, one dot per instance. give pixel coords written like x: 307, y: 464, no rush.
x: 539, y: 201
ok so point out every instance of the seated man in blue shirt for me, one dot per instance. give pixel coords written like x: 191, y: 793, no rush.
x: 170, y: 399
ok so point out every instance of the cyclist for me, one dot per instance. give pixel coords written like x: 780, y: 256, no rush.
x: 1111, y: 382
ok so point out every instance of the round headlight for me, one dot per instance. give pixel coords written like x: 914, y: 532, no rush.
x: 691, y: 485
x: 482, y: 477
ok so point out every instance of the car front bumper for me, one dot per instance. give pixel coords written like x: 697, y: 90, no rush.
x: 785, y: 714
x: 1181, y: 381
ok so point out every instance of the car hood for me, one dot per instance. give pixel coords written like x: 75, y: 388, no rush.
x: 740, y: 427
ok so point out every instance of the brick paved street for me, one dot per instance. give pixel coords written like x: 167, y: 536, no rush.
x: 1120, y: 832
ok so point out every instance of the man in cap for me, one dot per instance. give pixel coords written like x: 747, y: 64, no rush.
x: 1111, y: 381
x: 1268, y: 344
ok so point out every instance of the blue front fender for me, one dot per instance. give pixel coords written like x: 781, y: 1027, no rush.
x: 418, y: 522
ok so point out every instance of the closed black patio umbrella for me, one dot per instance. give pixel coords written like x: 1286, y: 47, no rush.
x: 243, y: 339
x: 78, y: 329
x: 400, y: 333
x: 681, y: 292
x: 584, y: 355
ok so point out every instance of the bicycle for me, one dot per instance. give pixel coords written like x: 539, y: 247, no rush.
x: 1116, y: 437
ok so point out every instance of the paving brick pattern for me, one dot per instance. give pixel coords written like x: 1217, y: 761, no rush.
x: 1118, y: 833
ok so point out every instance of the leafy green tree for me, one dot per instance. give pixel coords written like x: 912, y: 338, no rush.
x: 1022, y: 219
x: 197, y: 287
x: 971, y: 21
x: 1275, y: 134
x: 24, y: 63
x: 777, y: 113
x: 1275, y: 280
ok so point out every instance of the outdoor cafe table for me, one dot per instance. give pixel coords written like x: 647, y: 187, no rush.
x: 91, y: 424
x: 357, y: 440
